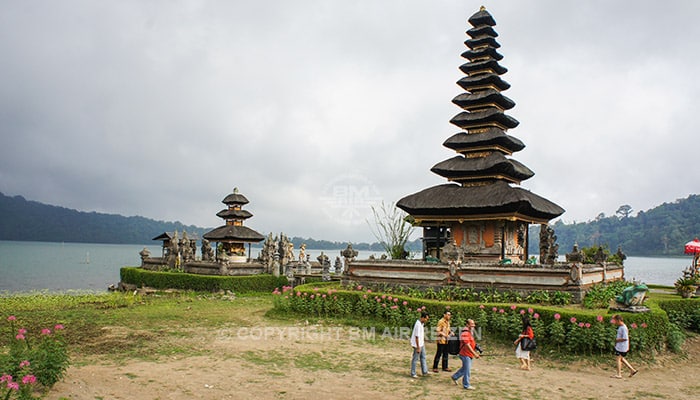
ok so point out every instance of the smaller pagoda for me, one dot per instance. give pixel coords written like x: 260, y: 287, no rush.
x: 233, y: 236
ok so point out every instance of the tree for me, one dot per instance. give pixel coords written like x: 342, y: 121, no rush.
x: 624, y: 211
x: 392, y: 229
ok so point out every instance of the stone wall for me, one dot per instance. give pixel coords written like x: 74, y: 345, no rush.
x: 568, y: 277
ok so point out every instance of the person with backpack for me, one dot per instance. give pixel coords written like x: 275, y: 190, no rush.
x: 466, y: 353
x: 525, y: 343
x: 443, y: 333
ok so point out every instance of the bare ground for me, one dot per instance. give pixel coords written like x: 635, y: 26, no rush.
x: 303, y: 361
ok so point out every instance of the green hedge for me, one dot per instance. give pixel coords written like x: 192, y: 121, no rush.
x: 201, y: 283
x: 683, y: 312
x: 558, y: 329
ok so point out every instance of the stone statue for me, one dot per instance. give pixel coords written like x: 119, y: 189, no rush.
x: 349, y: 255
x: 337, y: 266
x: 302, y: 253
x: 325, y: 267
x: 632, y: 298
x: 207, y: 251
x: 145, y: 253
x: 576, y: 255
x: 622, y: 256
x: 599, y: 256
x: 549, y: 249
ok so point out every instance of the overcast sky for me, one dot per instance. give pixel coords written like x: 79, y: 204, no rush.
x: 317, y: 109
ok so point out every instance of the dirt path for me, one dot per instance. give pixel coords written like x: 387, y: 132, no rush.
x: 302, y: 362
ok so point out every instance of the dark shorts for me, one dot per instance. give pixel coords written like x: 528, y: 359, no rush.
x: 621, y: 353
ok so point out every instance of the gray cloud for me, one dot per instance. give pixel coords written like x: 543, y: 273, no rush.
x: 160, y: 108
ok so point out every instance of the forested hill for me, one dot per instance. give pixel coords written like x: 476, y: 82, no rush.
x: 663, y: 230
x: 30, y: 220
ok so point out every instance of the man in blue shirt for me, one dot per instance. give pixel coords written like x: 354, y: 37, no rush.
x: 622, y: 346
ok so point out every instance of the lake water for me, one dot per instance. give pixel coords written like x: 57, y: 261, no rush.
x: 31, y: 266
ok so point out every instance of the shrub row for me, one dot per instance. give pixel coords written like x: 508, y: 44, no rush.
x: 204, y: 283
x: 685, y: 313
x: 559, y: 329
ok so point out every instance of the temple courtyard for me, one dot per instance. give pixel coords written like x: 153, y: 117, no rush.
x: 263, y: 357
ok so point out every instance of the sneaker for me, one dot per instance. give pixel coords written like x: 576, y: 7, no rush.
x: 454, y: 381
x: 414, y: 376
x: 470, y: 387
x: 426, y: 373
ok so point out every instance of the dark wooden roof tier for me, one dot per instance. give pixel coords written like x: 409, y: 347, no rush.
x: 472, y: 101
x: 482, y: 53
x: 235, y: 198
x: 483, y: 66
x: 482, y: 17
x: 496, y: 200
x: 234, y: 214
x: 483, y: 119
x: 493, y: 166
x: 492, y: 138
x: 483, y: 81
x: 234, y: 233
x: 481, y: 41
x: 484, y: 30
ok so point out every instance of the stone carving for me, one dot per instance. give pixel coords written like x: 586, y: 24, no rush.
x: 349, y: 255
x: 173, y: 257
x: 575, y: 256
x: 207, y: 251
x: 599, y: 257
x: 145, y: 253
x: 325, y: 267
x: 337, y: 266
x: 621, y: 255
x: 549, y: 249
x: 450, y: 252
x: 302, y: 253
x: 632, y: 298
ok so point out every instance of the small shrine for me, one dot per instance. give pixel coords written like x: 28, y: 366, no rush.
x: 233, y: 236
x: 481, y: 213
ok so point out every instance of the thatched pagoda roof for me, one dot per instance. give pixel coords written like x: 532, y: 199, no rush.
x: 235, y: 198
x: 495, y: 165
x: 234, y: 214
x: 233, y: 233
x: 492, y: 138
x: 497, y: 200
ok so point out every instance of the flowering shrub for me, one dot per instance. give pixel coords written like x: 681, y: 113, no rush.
x: 558, y: 329
x: 32, y: 359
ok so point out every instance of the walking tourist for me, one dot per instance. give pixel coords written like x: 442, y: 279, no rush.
x: 418, y: 344
x: 622, y: 347
x: 443, y: 333
x: 522, y: 349
x: 466, y: 354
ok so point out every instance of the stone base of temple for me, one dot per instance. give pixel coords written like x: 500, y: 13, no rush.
x: 566, y: 277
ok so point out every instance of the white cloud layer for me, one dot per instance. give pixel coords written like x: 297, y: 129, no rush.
x: 315, y: 109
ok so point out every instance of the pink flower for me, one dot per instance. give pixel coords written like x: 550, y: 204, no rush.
x: 599, y: 318
x: 384, y: 305
x: 315, y: 289
x: 501, y: 311
x: 422, y: 308
x: 19, y: 336
x: 482, y: 307
x: 335, y: 297
x: 573, y: 320
x: 29, y: 379
x: 383, y: 296
x: 364, y: 296
x: 13, y: 385
x: 513, y: 307
x: 313, y: 295
x: 530, y: 310
x: 580, y: 324
x: 389, y: 298
x: 588, y: 325
x: 6, y: 378
x: 536, y: 316
x: 494, y: 309
x: 394, y: 307
x: 379, y: 300
x: 522, y: 312
x: 557, y: 316
x: 359, y: 287
x: 634, y: 325
x: 298, y: 294
x: 286, y: 296
x: 24, y: 363
x: 405, y: 303
x: 369, y: 291
x: 12, y: 318
x: 324, y: 296
x: 644, y: 325
x: 22, y: 331
x: 447, y: 307
x: 396, y: 300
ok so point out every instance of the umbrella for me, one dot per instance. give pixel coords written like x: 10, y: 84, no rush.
x: 693, y: 247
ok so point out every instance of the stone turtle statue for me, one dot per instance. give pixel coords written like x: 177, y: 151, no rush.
x: 632, y: 295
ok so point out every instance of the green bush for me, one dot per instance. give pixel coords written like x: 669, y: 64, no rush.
x: 574, y: 330
x: 685, y: 313
x: 201, y: 283
x: 600, y: 295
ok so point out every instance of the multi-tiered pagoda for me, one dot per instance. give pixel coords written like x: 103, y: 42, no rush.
x: 482, y: 211
x: 233, y: 236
